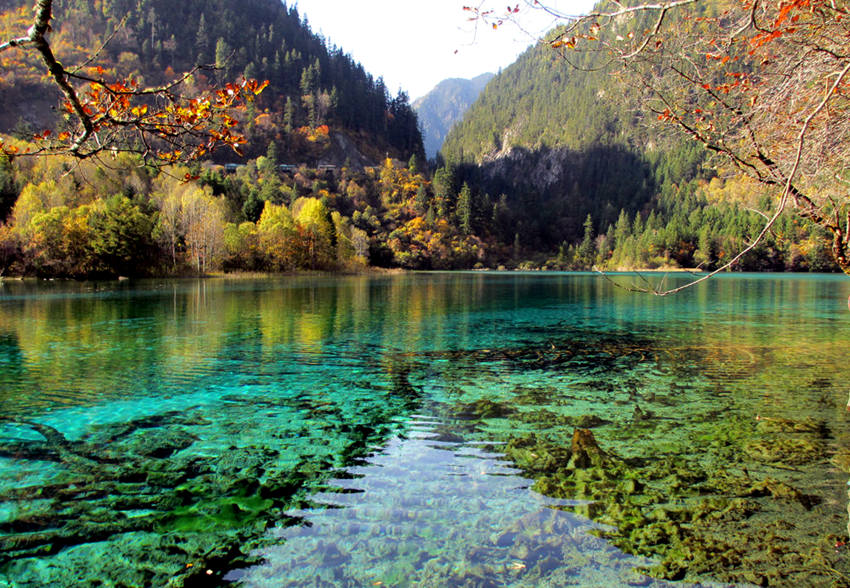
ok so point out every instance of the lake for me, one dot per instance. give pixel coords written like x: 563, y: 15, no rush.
x: 467, y: 429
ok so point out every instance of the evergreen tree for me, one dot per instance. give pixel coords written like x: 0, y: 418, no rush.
x: 422, y: 205
x: 288, y: 115
x: 623, y: 229
x: 202, y: 41
x: 464, y: 209
x: 587, y: 249
x: 223, y: 54
x: 444, y: 192
x: 413, y: 164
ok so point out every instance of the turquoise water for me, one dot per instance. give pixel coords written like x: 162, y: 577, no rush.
x: 417, y: 430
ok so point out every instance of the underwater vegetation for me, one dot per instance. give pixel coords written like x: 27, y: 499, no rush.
x: 424, y: 430
x: 689, y: 481
x: 166, y: 496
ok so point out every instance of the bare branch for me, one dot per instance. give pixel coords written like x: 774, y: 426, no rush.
x: 100, y: 49
x: 19, y: 42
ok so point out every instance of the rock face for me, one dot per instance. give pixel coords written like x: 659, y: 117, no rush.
x: 342, y: 152
x: 545, y: 168
x: 569, y: 184
x: 445, y: 105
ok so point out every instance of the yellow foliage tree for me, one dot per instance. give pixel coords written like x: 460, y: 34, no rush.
x: 278, y: 237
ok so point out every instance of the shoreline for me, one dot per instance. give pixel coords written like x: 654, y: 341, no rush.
x: 380, y: 271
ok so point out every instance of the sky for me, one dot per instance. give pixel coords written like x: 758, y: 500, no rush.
x: 415, y: 44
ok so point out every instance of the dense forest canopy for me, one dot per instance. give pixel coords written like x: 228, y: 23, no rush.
x: 762, y: 87
x: 554, y: 166
x: 155, y: 41
x: 587, y: 132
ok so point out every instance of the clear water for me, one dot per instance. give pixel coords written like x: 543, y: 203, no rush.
x: 391, y: 430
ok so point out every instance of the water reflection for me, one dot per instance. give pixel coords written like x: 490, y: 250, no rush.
x: 196, y: 414
x: 86, y: 343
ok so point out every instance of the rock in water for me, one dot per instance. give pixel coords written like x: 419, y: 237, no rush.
x: 586, y: 451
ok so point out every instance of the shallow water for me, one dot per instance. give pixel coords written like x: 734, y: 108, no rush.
x: 425, y: 512
x: 411, y: 430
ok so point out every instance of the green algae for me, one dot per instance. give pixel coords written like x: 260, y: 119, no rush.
x: 733, y: 497
x: 684, y: 514
x: 146, y: 485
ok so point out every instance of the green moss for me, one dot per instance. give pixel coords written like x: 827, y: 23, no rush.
x: 228, y: 512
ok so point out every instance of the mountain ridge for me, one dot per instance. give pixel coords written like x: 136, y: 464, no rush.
x: 154, y: 41
x: 444, y: 105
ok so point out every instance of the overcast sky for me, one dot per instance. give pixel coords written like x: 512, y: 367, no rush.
x: 415, y: 44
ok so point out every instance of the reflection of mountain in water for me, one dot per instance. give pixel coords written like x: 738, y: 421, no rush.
x: 439, y: 513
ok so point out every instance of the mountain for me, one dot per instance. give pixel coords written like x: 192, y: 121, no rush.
x: 566, y: 170
x: 311, y: 84
x: 443, y: 106
x: 544, y: 100
x: 553, y: 165
x: 560, y: 143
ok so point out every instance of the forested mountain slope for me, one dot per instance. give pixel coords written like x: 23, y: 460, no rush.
x: 552, y: 134
x: 564, y: 145
x: 445, y: 105
x: 552, y: 167
x: 311, y: 85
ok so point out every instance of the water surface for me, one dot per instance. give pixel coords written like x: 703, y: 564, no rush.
x: 417, y: 430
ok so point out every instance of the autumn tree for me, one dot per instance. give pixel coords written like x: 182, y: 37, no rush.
x: 107, y: 115
x: 765, y: 86
x: 202, y: 219
x: 60, y: 242
x: 278, y: 237
x: 318, y: 231
x: 168, y: 199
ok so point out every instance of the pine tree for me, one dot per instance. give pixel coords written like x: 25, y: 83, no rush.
x: 202, y: 42
x: 413, y: 164
x: 421, y: 200
x: 288, y: 115
x: 587, y: 249
x: 444, y: 194
x: 464, y: 209
x: 622, y: 230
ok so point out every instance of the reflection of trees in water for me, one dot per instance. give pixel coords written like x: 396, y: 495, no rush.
x: 11, y: 367
x: 85, y: 344
x: 611, y: 353
x: 696, y: 472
